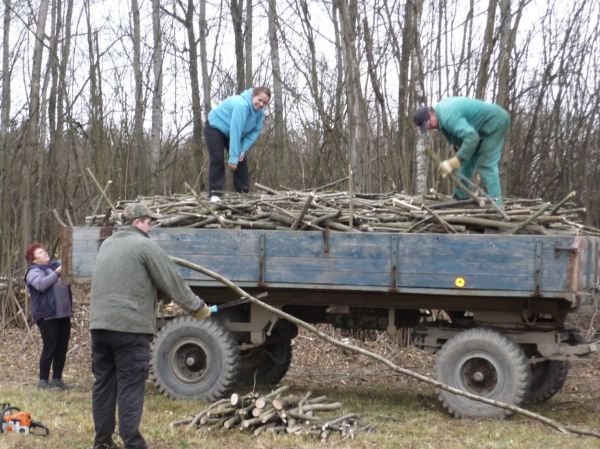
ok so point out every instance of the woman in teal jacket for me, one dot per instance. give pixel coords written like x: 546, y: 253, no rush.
x: 477, y: 130
x: 233, y: 126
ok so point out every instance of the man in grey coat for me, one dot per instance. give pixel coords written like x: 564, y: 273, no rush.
x: 128, y: 271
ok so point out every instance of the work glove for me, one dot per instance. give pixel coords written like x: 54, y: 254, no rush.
x: 448, y: 166
x: 202, y: 313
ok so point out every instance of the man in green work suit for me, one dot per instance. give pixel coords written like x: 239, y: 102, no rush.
x: 477, y: 130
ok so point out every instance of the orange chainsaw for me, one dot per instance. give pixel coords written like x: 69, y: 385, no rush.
x: 13, y: 420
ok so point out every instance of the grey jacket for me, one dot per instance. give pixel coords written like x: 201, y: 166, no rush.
x: 129, y: 269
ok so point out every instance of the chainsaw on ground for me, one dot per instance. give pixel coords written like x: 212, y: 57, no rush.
x: 15, y: 421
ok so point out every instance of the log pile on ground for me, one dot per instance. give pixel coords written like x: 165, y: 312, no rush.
x: 341, y: 211
x: 277, y: 412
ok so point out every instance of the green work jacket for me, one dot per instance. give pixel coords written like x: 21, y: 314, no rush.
x: 128, y: 271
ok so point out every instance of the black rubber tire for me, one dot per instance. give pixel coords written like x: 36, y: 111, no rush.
x: 268, y: 363
x: 486, y: 363
x: 547, y: 378
x: 194, y: 359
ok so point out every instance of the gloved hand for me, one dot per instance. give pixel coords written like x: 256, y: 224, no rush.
x: 448, y: 166
x: 202, y: 313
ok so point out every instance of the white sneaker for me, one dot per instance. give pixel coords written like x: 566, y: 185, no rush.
x: 215, y: 199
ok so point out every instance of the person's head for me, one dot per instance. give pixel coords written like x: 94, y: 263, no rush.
x: 36, y: 254
x: 260, y: 97
x: 425, y: 118
x: 139, y: 216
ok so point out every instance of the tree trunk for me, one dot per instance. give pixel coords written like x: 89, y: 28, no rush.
x: 380, y: 105
x: 462, y: 73
x: 140, y: 154
x: 357, y: 118
x: 508, y: 32
x: 203, y: 32
x: 6, y: 72
x: 54, y: 109
x: 96, y: 127
x: 414, y: 54
x: 279, y: 125
x: 486, y: 53
x: 32, y: 140
x: 156, y: 96
x: 236, y: 7
x: 248, y: 43
x: 195, y: 88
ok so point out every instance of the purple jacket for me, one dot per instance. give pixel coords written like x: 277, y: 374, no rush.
x: 44, y: 284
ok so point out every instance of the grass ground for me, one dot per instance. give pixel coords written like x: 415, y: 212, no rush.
x: 406, y: 413
x: 406, y: 417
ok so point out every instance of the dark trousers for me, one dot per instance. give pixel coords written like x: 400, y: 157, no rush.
x: 120, y: 363
x: 55, y: 343
x: 217, y: 143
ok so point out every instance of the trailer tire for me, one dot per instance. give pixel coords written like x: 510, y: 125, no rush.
x: 194, y: 359
x: 486, y: 363
x: 267, y: 364
x: 547, y: 378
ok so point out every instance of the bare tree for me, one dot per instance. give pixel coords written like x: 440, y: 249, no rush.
x: 463, y: 70
x: 487, y: 50
x: 279, y: 147
x: 248, y: 43
x: 5, y: 109
x: 236, y: 8
x: 202, y: 33
x: 357, y: 118
x: 411, y: 56
x: 32, y: 139
x: 96, y: 113
x: 140, y: 154
x: 156, y: 94
x: 188, y: 23
x: 508, y: 31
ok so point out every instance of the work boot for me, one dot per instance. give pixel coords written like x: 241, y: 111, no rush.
x: 42, y: 384
x: 58, y: 385
x: 107, y: 446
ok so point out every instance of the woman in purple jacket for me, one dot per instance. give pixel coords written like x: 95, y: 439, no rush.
x: 51, y: 308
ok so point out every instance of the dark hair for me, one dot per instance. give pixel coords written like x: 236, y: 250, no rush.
x: 421, y: 117
x: 30, y: 250
x: 262, y: 90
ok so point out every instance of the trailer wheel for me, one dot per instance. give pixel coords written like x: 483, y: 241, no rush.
x: 268, y: 363
x: 486, y: 363
x: 194, y: 359
x: 547, y: 378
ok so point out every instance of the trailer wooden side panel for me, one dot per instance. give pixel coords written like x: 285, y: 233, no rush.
x: 485, y: 265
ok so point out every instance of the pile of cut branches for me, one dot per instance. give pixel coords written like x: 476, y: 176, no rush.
x: 279, y: 413
x: 14, y: 304
x: 342, y: 211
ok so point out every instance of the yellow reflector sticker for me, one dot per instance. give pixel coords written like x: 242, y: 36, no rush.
x: 459, y: 282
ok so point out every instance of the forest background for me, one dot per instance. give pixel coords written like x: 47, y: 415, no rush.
x: 123, y: 88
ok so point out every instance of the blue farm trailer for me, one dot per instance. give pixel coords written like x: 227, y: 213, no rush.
x: 505, y: 301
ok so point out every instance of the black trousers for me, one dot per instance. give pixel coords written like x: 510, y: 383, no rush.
x: 55, y: 343
x: 120, y: 363
x: 217, y: 143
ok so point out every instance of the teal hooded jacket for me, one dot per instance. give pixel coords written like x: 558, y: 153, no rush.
x: 466, y: 121
x: 237, y: 119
